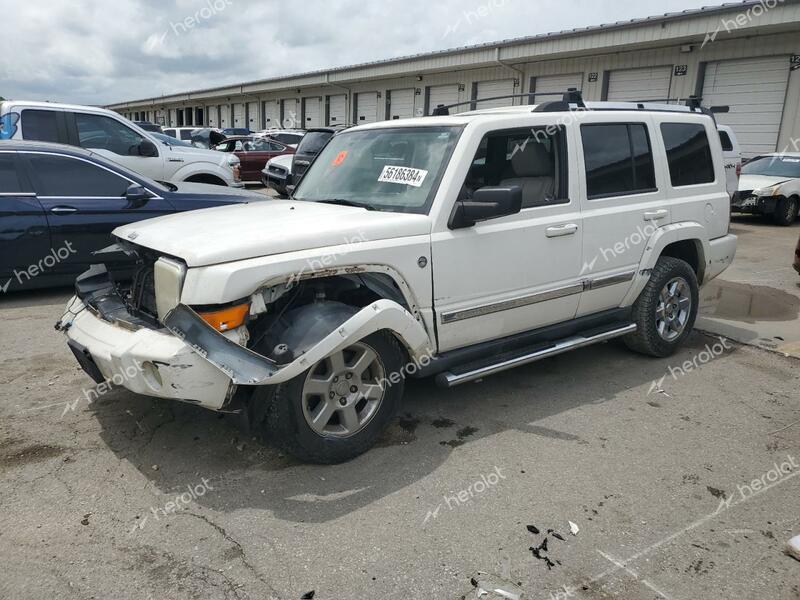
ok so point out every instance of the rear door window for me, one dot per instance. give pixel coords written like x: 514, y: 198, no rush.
x: 9, y: 181
x: 618, y: 159
x: 62, y: 176
x: 688, y: 153
x: 40, y: 125
x: 99, y: 132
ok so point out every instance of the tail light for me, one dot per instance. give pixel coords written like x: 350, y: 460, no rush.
x: 738, y: 170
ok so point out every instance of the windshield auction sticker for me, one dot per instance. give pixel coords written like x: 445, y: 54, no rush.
x: 339, y: 158
x: 404, y: 175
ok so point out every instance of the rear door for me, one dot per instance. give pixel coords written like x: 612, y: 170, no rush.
x: 84, y: 201
x: 24, y: 235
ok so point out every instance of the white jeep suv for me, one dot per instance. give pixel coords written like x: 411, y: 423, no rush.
x: 447, y: 246
x: 111, y: 135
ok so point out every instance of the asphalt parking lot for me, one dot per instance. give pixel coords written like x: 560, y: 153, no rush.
x: 680, y: 474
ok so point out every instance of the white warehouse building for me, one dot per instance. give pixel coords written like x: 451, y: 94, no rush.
x: 744, y: 55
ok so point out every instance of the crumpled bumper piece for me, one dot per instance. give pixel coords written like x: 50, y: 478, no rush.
x: 146, y: 361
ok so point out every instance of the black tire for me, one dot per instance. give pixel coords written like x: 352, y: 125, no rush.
x: 284, y: 424
x: 785, y: 211
x: 647, y: 339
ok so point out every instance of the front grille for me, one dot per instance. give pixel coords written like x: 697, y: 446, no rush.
x: 141, y: 299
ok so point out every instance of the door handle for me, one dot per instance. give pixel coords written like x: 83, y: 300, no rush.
x: 561, y: 230
x: 63, y: 210
x: 656, y: 215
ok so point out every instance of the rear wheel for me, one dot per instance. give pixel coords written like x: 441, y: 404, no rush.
x: 786, y: 211
x: 338, y: 408
x: 666, y: 309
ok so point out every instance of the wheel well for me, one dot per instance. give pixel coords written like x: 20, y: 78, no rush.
x: 206, y: 178
x: 688, y: 252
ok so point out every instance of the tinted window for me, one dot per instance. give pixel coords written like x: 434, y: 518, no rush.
x: 618, y: 158
x: 287, y: 138
x: 313, y: 142
x: 8, y: 175
x: 62, y: 176
x: 725, y: 140
x: 527, y: 159
x: 39, y: 125
x: 688, y: 153
x: 104, y: 133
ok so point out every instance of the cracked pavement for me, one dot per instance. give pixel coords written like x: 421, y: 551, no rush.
x: 94, y: 501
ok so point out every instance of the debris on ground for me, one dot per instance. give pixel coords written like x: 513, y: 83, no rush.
x: 533, y: 529
x: 573, y: 529
x: 492, y: 587
x: 308, y: 595
x: 793, y: 547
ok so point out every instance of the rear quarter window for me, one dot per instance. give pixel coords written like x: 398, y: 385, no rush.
x: 688, y: 153
x: 40, y: 125
x: 725, y: 140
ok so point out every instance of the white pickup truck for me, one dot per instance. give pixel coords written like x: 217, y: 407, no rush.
x: 447, y: 246
x: 116, y: 138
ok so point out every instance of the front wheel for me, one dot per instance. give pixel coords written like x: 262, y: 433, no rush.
x: 338, y: 408
x: 666, y: 309
x: 785, y: 211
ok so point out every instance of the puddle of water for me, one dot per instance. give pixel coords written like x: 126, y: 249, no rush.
x: 747, y: 303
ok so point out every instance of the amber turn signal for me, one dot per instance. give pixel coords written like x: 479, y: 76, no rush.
x: 227, y: 318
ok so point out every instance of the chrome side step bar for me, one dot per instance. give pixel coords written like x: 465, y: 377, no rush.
x: 450, y: 379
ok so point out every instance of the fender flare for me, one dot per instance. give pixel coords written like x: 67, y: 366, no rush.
x: 246, y: 367
x: 663, y: 237
x: 203, y: 168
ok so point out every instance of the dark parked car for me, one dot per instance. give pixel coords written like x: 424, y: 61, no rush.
x: 59, y: 204
x: 314, y: 140
x: 253, y: 152
x: 148, y: 126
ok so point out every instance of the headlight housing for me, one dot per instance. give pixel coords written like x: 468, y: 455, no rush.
x: 767, y: 192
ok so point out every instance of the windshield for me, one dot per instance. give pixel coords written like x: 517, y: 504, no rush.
x: 773, y: 166
x: 313, y: 142
x: 394, y: 169
x: 169, y: 140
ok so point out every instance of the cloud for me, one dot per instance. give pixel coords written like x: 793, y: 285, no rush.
x: 97, y: 52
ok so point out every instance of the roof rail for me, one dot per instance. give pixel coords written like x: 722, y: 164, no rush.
x: 572, y: 95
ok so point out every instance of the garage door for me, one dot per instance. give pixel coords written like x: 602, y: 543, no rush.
x: 650, y: 83
x: 444, y: 95
x: 490, y: 89
x: 238, y: 116
x: 556, y: 83
x: 211, y: 112
x: 252, y: 116
x: 755, y: 91
x: 337, y: 108
x: 401, y: 104
x: 366, y: 107
x: 271, y: 113
x: 313, y: 112
x: 225, y: 115
x: 290, y: 113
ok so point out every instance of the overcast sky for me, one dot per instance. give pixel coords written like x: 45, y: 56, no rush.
x: 102, y: 51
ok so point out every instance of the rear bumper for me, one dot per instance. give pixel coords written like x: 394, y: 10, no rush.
x: 145, y: 361
x: 720, y: 256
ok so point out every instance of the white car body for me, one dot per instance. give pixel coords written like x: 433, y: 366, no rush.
x: 771, y: 194
x: 455, y: 289
x: 733, y: 157
x: 172, y: 163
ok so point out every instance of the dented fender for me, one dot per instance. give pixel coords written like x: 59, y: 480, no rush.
x: 246, y: 367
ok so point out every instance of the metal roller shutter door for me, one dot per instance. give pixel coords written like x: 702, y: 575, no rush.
x: 272, y: 114
x: 444, y: 95
x: 291, y: 113
x: 366, y: 107
x: 650, y: 83
x: 313, y: 117
x: 490, y: 89
x: 556, y: 83
x: 755, y: 91
x: 238, y: 116
x: 252, y: 116
x: 337, y: 108
x: 225, y: 116
x: 401, y: 104
x: 212, y: 116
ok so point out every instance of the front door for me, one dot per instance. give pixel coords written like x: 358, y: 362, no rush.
x: 519, y: 272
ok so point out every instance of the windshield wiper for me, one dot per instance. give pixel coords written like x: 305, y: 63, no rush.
x: 341, y: 202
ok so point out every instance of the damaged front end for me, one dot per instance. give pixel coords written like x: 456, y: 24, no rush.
x: 203, y: 354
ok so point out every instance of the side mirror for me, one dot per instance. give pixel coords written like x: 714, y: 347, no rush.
x: 486, y: 203
x: 147, y: 148
x: 136, y: 195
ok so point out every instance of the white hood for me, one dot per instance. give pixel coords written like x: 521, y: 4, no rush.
x: 755, y: 182
x: 237, y: 232
x: 284, y: 160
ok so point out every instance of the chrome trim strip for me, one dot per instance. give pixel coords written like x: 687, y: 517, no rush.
x: 602, y: 282
x: 18, y: 194
x: 488, y: 309
x: 449, y: 379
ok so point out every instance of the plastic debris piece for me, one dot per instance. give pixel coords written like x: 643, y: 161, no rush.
x: 493, y: 587
x: 793, y: 547
x: 533, y: 529
x: 573, y: 529
x: 557, y: 535
x: 308, y: 595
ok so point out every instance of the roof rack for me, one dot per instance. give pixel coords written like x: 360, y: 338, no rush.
x: 572, y: 95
